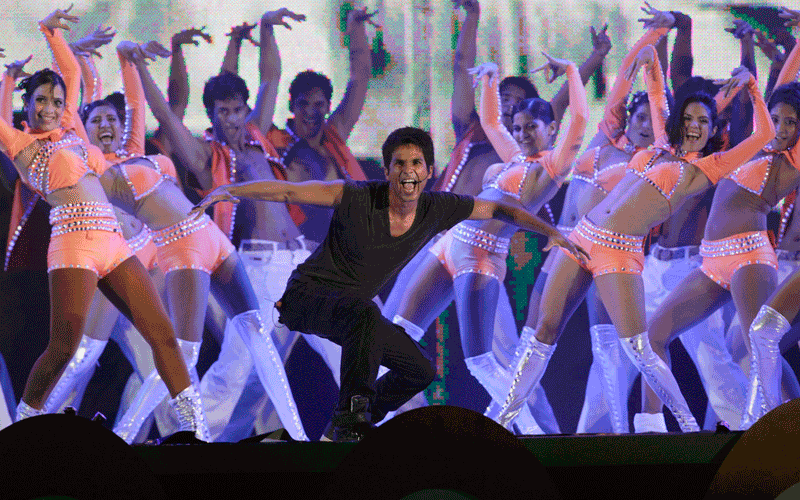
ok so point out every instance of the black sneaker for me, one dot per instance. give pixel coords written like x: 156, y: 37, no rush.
x: 350, y: 426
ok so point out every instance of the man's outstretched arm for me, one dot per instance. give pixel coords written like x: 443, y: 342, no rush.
x: 322, y: 193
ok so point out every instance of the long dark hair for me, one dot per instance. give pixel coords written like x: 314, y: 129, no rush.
x: 675, y: 122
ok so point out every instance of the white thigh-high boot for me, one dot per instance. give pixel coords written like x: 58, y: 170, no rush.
x: 24, y: 410
x: 87, y: 354
x: 189, y: 408
x: 269, y: 368
x: 617, y: 374
x: 152, y: 392
x: 529, y: 364
x: 496, y: 380
x: 764, y: 389
x: 224, y: 381
x: 723, y: 379
x: 658, y: 375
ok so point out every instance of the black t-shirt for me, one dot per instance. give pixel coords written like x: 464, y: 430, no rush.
x: 359, y: 254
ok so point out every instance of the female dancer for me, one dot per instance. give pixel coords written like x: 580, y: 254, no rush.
x: 656, y: 182
x: 195, y: 256
x: 739, y: 261
x: 780, y: 165
x: 624, y: 131
x: 469, y: 262
x: 86, y: 249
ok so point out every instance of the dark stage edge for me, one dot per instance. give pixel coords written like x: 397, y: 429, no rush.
x: 626, y: 466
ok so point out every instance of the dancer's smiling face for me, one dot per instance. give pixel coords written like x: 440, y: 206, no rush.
x: 229, y: 118
x: 407, y: 173
x: 697, y: 127
x: 45, y: 107
x: 310, y: 110
x: 640, y: 127
x: 784, y: 116
x: 532, y: 134
x: 104, y: 128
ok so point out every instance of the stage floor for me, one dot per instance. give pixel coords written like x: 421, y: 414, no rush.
x: 580, y: 466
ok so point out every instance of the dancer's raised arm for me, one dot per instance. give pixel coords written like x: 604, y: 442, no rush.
x: 601, y: 44
x: 178, y: 82
x: 269, y: 65
x: 462, y: 103
x: 346, y: 114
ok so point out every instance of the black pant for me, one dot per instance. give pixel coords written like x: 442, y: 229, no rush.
x: 368, y: 340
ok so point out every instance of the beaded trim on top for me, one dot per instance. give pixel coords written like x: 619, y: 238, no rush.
x: 39, y: 171
x: 481, y: 239
x: 83, y: 216
x: 454, y: 178
x: 184, y: 228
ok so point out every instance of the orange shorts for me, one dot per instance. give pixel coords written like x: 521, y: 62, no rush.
x: 722, y: 258
x: 192, y: 244
x: 464, y: 249
x: 86, y: 236
x: 144, y: 248
x: 610, y: 252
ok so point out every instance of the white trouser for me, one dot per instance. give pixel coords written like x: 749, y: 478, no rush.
x: 6, y: 396
x: 269, y: 266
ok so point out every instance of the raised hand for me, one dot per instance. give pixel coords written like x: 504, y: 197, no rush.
x: 244, y: 32
x: 644, y: 58
x: 219, y: 194
x: 54, y: 19
x: 15, y: 69
x: 88, y: 45
x: 553, y: 68
x: 601, y: 43
x: 470, y: 6
x: 359, y: 16
x: 792, y: 17
x: 657, y: 19
x: 739, y: 77
x: 769, y: 48
x: 276, y: 17
x: 153, y: 50
x: 190, y: 35
x: 479, y: 72
x: 741, y: 29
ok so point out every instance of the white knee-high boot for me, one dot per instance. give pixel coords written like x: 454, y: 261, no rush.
x: 614, y: 365
x: 496, y: 380
x: 24, y: 410
x: 87, y: 354
x: 151, y: 393
x: 529, y: 364
x: 189, y: 408
x: 269, y: 368
x: 658, y: 375
x: 764, y: 389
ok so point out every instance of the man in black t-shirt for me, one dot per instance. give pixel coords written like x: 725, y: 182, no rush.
x: 377, y: 227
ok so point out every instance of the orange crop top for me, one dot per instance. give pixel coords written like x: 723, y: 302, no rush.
x: 604, y: 178
x: 556, y: 162
x: 509, y: 178
x: 56, y: 165
x: 143, y: 179
x: 665, y: 176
